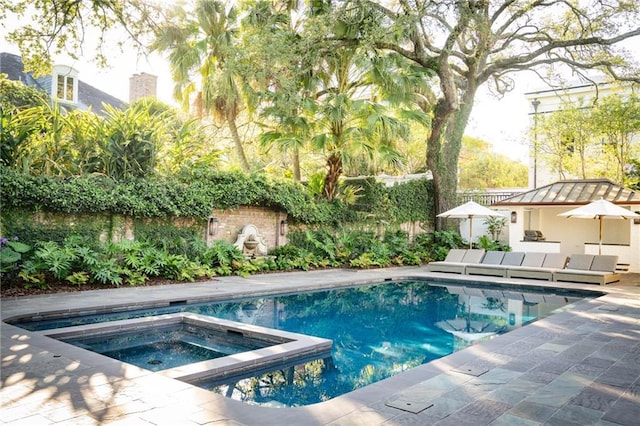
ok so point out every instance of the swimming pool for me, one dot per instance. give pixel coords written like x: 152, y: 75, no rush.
x: 378, y: 331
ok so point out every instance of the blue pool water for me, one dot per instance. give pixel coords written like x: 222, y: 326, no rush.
x: 153, y: 355
x: 377, y: 331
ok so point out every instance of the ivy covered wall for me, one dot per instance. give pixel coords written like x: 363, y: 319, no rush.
x: 46, y: 208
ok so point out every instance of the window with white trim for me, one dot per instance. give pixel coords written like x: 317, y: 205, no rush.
x: 65, y: 88
x: 64, y: 84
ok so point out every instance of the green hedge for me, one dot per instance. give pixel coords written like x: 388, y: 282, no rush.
x: 405, y: 202
x: 197, y: 193
x: 412, y: 201
x: 49, y: 227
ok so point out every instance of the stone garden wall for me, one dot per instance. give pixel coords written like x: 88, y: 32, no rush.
x: 229, y: 224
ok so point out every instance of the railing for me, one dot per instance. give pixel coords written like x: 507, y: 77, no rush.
x: 486, y: 198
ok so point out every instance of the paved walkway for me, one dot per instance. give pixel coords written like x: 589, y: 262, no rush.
x: 577, y: 367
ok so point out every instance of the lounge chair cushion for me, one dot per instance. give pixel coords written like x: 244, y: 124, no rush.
x: 513, y: 258
x: 473, y: 256
x: 493, y: 258
x: 509, y: 259
x: 580, y: 262
x: 533, y: 259
x: 554, y: 261
x: 604, y: 263
x: 581, y: 269
x: 538, y: 266
x: 455, y: 255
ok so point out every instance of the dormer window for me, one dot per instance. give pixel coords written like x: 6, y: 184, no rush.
x: 65, y: 84
x: 65, y: 88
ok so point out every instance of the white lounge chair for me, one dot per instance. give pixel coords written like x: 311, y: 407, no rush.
x: 538, y: 266
x: 471, y: 256
x: 589, y: 268
x: 511, y: 258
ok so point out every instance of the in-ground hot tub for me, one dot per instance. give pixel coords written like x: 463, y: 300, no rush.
x: 189, y: 347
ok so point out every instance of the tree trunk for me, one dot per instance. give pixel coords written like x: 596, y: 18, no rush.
x: 443, y: 151
x: 334, y: 170
x: 237, y: 143
x: 444, y: 173
x: 435, y: 160
x: 297, y: 176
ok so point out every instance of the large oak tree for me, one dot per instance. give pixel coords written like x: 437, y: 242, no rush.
x: 471, y: 43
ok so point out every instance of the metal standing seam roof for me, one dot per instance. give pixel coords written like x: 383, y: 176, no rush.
x: 574, y: 192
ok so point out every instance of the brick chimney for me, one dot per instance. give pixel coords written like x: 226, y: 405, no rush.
x: 142, y: 85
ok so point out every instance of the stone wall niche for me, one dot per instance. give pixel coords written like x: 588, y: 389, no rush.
x: 250, y: 242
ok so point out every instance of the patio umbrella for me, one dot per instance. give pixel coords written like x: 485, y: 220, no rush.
x: 470, y: 210
x: 601, y: 209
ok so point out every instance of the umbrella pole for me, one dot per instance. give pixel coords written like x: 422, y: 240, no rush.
x: 600, y: 240
x: 470, y: 231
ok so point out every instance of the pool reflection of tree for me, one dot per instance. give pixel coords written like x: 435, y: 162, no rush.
x: 496, y: 323
x: 301, y: 384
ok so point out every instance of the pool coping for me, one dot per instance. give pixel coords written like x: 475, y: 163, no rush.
x: 283, y: 346
x: 41, y: 372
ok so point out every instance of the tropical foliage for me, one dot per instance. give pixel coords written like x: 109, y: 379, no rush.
x: 81, y: 262
x: 200, y: 42
x: 144, y: 139
x: 14, y: 95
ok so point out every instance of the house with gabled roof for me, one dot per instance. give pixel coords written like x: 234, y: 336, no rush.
x: 535, y: 224
x: 63, y: 86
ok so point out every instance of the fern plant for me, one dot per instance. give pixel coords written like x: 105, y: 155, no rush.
x: 32, y: 276
x: 55, y: 259
x: 133, y: 278
x: 78, y: 278
x: 107, y: 272
x: 222, y: 253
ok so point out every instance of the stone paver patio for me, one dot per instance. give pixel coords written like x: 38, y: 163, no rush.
x: 578, y: 367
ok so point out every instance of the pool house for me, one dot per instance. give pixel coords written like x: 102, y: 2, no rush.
x: 535, y: 224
